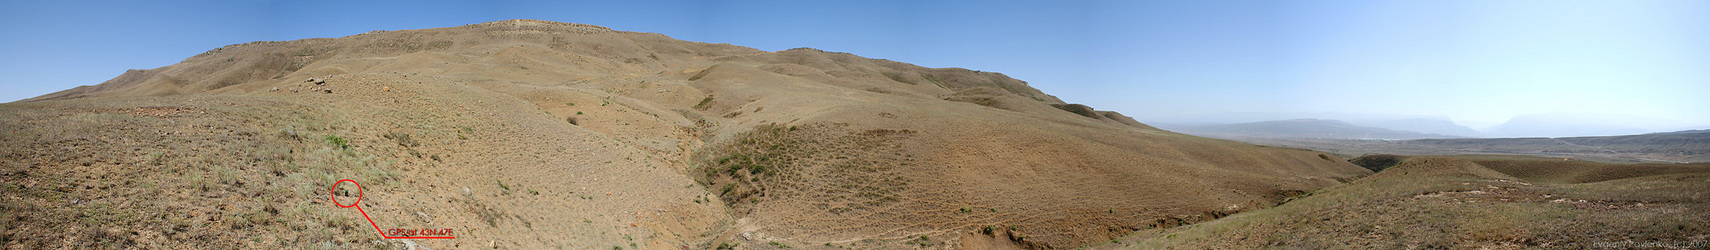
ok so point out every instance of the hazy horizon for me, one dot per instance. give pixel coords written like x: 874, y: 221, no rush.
x: 1562, y: 124
x: 1477, y: 63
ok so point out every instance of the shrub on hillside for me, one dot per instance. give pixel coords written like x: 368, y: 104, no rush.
x: 1377, y: 162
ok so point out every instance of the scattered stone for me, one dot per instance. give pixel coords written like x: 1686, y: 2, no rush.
x: 425, y: 217
x: 411, y: 245
x: 289, y: 133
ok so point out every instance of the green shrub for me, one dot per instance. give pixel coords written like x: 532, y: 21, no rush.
x: 698, y: 75
x: 1078, y: 109
x: 338, y: 141
x: 704, y: 103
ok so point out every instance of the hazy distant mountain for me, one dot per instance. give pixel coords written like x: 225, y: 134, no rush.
x: 1678, y: 146
x: 1411, y: 123
x: 1699, y: 131
x: 1568, y: 125
x: 1297, y: 128
x: 1245, y: 117
x: 1439, y: 126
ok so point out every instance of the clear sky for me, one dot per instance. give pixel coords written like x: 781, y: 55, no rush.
x: 1478, y: 62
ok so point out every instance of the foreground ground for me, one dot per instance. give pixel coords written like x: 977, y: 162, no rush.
x: 1482, y: 202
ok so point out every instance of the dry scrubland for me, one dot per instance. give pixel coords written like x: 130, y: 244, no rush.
x: 1484, y: 202
x: 533, y: 134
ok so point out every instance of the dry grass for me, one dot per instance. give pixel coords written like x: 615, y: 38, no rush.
x: 1438, y: 202
x: 1551, y: 170
x: 827, y: 165
x: 192, y: 177
x: 430, y: 121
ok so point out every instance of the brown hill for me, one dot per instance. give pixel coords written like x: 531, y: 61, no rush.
x: 1477, y: 202
x: 536, y: 134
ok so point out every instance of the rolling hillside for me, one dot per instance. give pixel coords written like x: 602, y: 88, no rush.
x: 536, y: 134
x: 1475, y: 202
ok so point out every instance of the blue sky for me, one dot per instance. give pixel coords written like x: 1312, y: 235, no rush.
x: 1476, y: 62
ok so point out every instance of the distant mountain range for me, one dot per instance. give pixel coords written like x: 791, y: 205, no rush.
x: 1319, y: 129
x: 1561, y: 124
x: 1569, y: 125
x: 1678, y: 146
x: 1437, y: 126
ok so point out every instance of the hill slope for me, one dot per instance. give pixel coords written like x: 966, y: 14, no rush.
x: 536, y: 134
x: 1478, y: 202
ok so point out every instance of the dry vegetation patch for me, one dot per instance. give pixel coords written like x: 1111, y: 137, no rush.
x: 535, y: 134
x: 201, y: 177
x: 1439, y: 202
x: 830, y: 166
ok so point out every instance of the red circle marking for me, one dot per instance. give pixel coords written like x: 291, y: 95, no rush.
x: 334, y: 193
